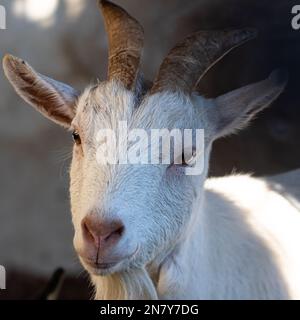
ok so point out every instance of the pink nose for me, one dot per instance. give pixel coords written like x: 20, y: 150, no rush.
x: 103, y: 235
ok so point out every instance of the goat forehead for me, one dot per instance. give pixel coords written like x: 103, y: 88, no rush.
x: 104, y: 105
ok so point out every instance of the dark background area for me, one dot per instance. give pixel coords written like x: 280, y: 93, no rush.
x: 65, y: 39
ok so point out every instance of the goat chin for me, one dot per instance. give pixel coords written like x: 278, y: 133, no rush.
x: 134, y: 284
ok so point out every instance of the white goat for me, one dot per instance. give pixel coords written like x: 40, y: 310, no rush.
x: 150, y: 231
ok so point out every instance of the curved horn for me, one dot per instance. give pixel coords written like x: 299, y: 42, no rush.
x: 126, y: 39
x: 187, y: 62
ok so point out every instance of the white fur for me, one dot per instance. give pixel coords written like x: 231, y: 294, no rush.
x: 243, y: 246
x: 184, y: 236
x: 227, y: 238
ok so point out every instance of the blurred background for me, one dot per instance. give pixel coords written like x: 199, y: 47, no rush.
x: 65, y: 39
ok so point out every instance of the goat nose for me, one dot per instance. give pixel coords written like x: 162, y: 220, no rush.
x: 102, y: 233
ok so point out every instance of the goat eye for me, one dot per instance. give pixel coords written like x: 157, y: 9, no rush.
x: 190, y: 160
x: 184, y: 161
x: 76, y: 137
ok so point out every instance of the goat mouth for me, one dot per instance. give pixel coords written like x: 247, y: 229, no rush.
x: 105, y: 265
x: 105, y: 268
x: 101, y: 266
x: 100, y: 269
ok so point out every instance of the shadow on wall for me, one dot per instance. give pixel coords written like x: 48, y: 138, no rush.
x: 66, y: 40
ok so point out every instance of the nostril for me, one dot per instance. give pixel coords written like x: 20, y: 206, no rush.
x: 87, y: 232
x: 117, y: 233
x: 101, y: 232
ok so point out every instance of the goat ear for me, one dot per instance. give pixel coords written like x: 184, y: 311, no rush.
x: 53, y: 99
x: 234, y: 110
